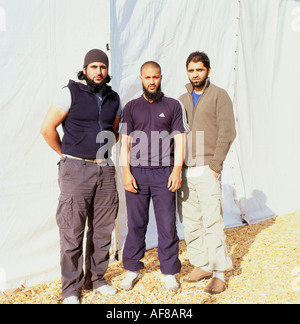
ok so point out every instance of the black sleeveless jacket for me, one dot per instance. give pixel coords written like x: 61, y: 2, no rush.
x: 86, y: 119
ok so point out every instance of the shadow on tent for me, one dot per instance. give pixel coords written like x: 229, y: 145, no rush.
x: 241, y: 238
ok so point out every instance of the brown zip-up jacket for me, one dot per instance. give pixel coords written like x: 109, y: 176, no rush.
x: 212, y: 117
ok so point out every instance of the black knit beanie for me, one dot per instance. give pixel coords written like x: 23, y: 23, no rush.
x: 95, y: 55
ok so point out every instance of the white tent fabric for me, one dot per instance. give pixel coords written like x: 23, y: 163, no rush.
x: 41, y: 47
x: 254, y: 48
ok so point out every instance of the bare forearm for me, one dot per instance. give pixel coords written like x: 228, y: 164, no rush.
x: 53, y: 119
x: 116, y: 128
x: 179, y: 153
x: 125, y: 152
x: 129, y: 180
x: 53, y: 140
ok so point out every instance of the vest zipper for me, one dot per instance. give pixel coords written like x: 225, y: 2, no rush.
x: 100, y: 108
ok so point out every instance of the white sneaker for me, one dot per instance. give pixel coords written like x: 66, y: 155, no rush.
x: 73, y: 300
x: 171, y: 283
x: 130, y: 280
x: 107, y: 290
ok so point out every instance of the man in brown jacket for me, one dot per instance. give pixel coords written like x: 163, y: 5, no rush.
x: 211, y: 121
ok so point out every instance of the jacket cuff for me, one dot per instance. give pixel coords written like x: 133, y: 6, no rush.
x: 216, y: 166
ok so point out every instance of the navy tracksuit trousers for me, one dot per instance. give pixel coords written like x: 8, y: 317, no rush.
x: 152, y: 183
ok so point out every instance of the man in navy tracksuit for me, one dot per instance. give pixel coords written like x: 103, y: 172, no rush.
x: 152, y: 153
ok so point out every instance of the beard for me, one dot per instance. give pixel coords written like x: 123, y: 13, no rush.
x: 93, y: 86
x: 200, y: 84
x: 96, y: 87
x: 153, y: 96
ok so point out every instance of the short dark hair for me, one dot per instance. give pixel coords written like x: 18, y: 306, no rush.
x: 198, y: 57
x: 152, y: 64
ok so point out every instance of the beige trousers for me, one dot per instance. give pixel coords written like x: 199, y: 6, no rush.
x: 200, y: 211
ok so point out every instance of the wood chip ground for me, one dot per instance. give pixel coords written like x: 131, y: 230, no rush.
x: 266, y: 259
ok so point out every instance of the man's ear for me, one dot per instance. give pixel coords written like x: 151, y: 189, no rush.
x: 84, y: 71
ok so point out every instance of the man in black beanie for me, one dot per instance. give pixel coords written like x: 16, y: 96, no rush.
x: 96, y: 81
x: 86, y: 109
x: 96, y: 55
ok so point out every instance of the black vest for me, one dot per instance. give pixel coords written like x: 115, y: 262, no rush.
x: 86, y: 119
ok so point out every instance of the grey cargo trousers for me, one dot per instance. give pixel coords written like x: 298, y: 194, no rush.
x: 88, y: 193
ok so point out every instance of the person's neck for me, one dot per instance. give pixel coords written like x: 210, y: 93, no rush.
x: 199, y: 90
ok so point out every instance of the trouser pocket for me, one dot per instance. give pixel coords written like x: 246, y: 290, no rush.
x: 64, y: 215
